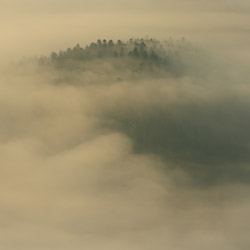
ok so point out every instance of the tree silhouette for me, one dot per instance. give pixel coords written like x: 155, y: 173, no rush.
x: 144, y: 52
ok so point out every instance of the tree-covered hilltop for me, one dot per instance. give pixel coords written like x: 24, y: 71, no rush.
x: 137, y: 53
x: 106, y: 61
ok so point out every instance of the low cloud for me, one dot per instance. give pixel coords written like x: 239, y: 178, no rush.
x: 111, y: 154
x: 105, y: 157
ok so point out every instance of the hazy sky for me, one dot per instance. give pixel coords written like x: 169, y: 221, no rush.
x: 70, y: 181
x: 36, y: 27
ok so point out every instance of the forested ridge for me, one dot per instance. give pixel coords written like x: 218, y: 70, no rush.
x: 137, y: 54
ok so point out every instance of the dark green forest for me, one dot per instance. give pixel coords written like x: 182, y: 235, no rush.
x: 135, y: 54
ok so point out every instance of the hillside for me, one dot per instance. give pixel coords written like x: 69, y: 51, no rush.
x: 135, y: 55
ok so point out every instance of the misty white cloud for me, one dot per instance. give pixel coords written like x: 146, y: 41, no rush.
x: 73, y: 173
x: 71, y: 178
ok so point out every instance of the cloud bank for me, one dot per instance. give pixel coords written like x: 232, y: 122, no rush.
x: 103, y: 156
x: 109, y: 158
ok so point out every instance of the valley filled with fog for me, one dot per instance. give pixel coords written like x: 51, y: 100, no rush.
x: 112, y: 142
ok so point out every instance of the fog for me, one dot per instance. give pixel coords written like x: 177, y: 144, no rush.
x: 30, y: 27
x: 108, y: 153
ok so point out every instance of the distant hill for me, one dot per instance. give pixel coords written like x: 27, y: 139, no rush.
x: 135, y: 55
